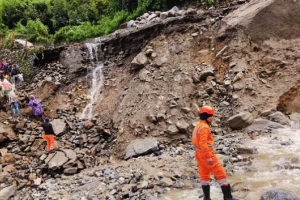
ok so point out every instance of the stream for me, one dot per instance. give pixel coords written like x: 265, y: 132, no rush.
x: 276, y: 166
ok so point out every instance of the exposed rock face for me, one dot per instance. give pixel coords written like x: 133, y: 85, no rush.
x: 249, y: 16
x: 141, y: 146
x: 240, y: 121
x: 277, y: 194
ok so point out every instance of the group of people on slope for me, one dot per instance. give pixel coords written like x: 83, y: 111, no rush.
x: 9, y: 76
x: 11, y: 72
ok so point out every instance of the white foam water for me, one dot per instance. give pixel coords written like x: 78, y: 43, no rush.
x: 97, y: 80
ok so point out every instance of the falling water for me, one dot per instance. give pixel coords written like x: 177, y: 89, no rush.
x: 95, y: 75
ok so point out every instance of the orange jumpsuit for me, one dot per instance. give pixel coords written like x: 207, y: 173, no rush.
x: 203, y: 141
x: 50, y: 141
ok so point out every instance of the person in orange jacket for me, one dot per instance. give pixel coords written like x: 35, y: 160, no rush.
x: 207, y: 160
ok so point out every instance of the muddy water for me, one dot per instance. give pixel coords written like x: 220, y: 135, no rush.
x: 277, y: 165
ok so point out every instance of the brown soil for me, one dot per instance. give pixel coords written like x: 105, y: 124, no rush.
x: 289, y: 101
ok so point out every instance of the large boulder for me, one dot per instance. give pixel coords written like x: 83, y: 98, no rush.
x: 20, y: 44
x: 263, y: 124
x: 56, y: 160
x: 59, y: 126
x: 280, y: 118
x: 71, y: 155
x: 240, y: 121
x: 140, y: 147
x: 278, y: 194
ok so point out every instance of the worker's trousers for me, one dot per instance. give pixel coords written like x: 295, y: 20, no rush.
x: 50, y: 141
x: 205, y: 170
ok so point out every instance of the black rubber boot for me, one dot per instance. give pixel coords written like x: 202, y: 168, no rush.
x: 206, y: 192
x: 227, y: 193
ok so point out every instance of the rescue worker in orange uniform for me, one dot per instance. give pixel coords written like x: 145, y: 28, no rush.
x: 49, y: 135
x: 207, y: 161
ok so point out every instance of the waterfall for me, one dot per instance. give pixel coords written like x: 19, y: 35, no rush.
x: 95, y: 75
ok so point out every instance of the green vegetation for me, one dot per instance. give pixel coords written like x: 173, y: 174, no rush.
x: 73, y: 20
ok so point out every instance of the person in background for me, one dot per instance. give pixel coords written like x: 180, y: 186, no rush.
x: 48, y: 134
x: 37, y: 109
x: 15, y: 74
x: 7, y: 69
x: 6, y: 86
x: 13, y: 101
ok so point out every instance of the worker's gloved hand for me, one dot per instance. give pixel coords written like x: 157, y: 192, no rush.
x: 210, y: 161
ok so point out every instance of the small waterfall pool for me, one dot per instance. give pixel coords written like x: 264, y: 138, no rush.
x: 276, y: 166
x: 96, y: 77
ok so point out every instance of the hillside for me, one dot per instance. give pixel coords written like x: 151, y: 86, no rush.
x: 144, y: 84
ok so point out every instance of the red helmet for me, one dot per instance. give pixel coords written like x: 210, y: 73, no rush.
x: 207, y: 109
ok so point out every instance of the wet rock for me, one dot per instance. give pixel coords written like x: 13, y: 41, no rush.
x: 141, y: 146
x: 166, y: 182
x: 59, y: 126
x: 278, y: 194
x: 287, y: 142
x: 247, y: 150
x: 263, y: 124
x: 139, y: 62
x: 280, y: 118
x: 8, y: 192
x: 240, y: 121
